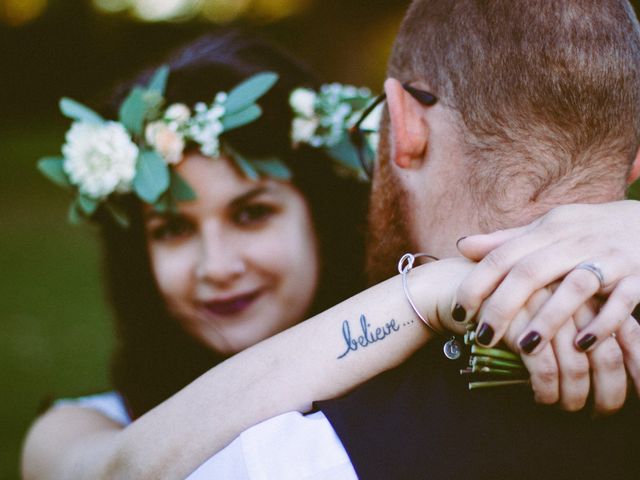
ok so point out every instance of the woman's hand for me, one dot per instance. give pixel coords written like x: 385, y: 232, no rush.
x: 515, y: 263
x: 562, y: 374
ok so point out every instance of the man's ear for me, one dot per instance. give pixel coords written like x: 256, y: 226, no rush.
x: 635, y: 169
x: 409, y: 130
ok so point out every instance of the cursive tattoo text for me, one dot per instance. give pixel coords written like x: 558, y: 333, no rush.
x: 368, y: 336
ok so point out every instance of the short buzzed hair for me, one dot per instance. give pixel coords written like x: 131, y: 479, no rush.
x: 544, y: 90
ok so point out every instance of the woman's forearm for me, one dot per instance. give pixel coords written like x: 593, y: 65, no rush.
x: 321, y: 358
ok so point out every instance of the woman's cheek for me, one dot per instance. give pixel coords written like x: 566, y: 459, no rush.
x: 173, y: 269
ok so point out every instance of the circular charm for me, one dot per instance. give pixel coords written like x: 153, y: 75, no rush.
x: 452, y: 349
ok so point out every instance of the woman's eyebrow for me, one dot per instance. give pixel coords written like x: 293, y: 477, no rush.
x: 254, y: 192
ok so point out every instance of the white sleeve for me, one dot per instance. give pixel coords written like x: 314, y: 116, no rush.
x: 291, y: 446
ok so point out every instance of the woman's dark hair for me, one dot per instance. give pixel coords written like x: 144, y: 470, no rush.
x: 155, y: 357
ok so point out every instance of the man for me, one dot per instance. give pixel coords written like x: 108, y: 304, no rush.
x: 538, y: 105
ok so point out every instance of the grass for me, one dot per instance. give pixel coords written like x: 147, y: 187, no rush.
x: 56, y: 333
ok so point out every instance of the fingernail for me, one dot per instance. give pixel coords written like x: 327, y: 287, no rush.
x: 459, y: 240
x: 459, y: 314
x: 530, y: 342
x: 485, y: 334
x: 585, y: 342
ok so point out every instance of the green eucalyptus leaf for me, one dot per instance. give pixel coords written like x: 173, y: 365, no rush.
x: 152, y: 176
x: 75, y: 213
x: 53, y: 169
x: 77, y: 111
x: 241, y: 118
x: 118, y: 214
x: 164, y: 204
x: 246, y: 167
x: 87, y: 205
x: 246, y: 93
x: 180, y: 189
x: 158, y: 82
x: 272, y: 167
x: 133, y: 111
x: 345, y: 153
x: 633, y: 192
x: 153, y: 102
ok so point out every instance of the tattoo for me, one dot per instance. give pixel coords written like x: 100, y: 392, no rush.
x: 368, y: 336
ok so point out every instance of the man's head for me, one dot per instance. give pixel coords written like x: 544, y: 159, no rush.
x: 539, y: 104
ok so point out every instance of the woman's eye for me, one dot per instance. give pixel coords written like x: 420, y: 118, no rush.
x: 172, y: 229
x: 253, y: 214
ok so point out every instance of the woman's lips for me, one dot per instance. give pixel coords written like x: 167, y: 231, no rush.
x: 232, y: 305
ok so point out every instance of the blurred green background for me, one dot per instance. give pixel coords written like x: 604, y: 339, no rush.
x: 56, y: 333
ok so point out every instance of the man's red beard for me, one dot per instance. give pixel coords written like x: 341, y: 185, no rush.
x: 388, y: 233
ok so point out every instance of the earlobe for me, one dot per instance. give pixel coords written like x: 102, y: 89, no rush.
x: 635, y: 169
x: 408, y: 130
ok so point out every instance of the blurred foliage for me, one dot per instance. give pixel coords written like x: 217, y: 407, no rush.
x: 56, y: 331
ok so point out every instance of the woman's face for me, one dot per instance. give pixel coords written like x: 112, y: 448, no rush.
x: 240, y: 263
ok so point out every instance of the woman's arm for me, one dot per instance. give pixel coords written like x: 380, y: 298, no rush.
x: 323, y: 357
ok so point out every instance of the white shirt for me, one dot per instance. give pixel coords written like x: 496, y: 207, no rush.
x: 291, y: 446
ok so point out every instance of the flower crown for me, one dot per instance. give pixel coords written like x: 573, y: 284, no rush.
x: 103, y: 159
x: 322, y: 120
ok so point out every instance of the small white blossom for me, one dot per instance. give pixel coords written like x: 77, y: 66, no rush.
x: 178, y: 112
x: 303, y: 101
x: 205, y: 128
x: 100, y: 158
x: 221, y: 97
x: 166, y: 140
x: 350, y: 91
x: 303, y: 130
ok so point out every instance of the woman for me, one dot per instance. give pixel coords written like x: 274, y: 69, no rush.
x: 193, y: 282
x: 243, y: 261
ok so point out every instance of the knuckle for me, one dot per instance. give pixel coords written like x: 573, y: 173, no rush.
x: 612, y: 360
x: 626, y: 299
x: 578, y: 371
x: 495, y: 313
x: 526, y: 269
x: 581, y: 284
x: 545, y: 374
x: 496, y: 260
x: 630, y: 332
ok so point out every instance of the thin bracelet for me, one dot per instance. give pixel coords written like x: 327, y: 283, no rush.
x: 405, y: 265
x: 452, y: 349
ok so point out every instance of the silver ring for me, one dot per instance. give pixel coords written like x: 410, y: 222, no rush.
x: 595, y: 269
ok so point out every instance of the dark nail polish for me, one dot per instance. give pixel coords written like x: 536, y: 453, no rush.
x: 529, y: 343
x: 460, y: 239
x: 585, y: 342
x: 459, y: 314
x: 485, y: 334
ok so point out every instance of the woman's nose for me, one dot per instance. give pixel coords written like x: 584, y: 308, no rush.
x: 220, y: 259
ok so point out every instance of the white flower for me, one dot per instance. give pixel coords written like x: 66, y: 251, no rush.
x: 100, y: 158
x: 178, y: 112
x: 206, y: 134
x: 221, y: 97
x: 205, y: 128
x: 166, y: 140
x: 303, y: 130
x: 303, y: 101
